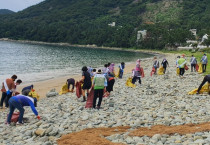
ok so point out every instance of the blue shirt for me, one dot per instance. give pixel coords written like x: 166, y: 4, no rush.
x: 26, y: 101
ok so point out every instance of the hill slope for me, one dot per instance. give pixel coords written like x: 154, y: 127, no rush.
x: 5, y: 11
x: 86, y: 22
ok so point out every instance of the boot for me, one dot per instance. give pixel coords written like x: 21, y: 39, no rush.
x: 87, y: 94
x: 84, y: 99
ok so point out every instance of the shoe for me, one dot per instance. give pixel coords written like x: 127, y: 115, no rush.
x: 18, y: 123
x: 98, y: 107
x: 84, y: 99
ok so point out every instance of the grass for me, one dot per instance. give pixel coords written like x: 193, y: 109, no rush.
x: 198, y: 55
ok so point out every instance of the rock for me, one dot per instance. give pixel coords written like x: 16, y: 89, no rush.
x: 40, y: 132
x: 51, y: 93
x: 49, y: 130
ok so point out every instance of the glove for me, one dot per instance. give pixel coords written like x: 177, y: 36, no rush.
x: 38, y: 117
x: 8, y: 92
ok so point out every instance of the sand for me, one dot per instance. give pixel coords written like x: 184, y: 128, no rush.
x: 43, y: 87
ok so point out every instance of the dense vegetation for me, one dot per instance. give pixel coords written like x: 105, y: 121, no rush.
x: 86, y: 22
x: 5, y: 11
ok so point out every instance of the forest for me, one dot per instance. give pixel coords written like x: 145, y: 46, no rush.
x: 86, y: 22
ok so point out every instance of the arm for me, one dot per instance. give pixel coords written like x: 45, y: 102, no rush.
x: 33, y: 107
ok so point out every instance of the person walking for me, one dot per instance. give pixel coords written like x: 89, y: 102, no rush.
x: 87, y: 82
x: 164, y: 64
x: 204, y: 61
x: 181, y: 63
x: 122, y: 67
x: 193, y: 63
x: 155, y: 64
x: 99, y: 85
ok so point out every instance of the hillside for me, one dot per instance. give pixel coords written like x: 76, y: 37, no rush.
x: 86, y: 22
x: 5, y: 11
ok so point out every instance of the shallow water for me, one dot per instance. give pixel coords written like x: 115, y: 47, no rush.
x: 35, y: 62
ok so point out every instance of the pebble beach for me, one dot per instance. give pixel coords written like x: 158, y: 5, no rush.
x: 160, y: 101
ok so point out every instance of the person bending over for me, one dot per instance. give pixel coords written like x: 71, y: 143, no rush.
x: 71, y: 81
x: 18, y: 102
x: 206, y: 79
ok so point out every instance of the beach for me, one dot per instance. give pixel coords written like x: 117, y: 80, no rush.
x: 159, y: 111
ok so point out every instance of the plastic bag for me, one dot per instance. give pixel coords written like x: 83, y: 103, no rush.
x: 160, y: 71
x: 129, y: 83
x: 64, y: 89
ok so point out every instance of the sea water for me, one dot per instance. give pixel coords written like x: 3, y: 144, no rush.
x: 37, y: 62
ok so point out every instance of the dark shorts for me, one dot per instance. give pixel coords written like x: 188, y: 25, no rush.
x: 86, y: 86
x: 109, y: 88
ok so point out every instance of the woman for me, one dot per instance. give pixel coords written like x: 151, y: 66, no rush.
x: 87, y: 82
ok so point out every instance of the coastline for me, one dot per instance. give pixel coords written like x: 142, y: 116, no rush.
x: 42, y: 87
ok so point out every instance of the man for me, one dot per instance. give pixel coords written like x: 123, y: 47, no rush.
x: 18, y: 102
x: 193, y: 62
x: 204, y: 61
x: 27, y: 89
x: 181, y: 64
x: 99, y: 84
x: 8, y: 88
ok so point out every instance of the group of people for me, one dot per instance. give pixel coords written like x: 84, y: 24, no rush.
x: 14, y: 100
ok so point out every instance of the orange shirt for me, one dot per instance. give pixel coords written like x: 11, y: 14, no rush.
x: 10, y: 84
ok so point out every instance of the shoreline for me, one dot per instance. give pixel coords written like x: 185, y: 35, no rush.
x: 42, y: 87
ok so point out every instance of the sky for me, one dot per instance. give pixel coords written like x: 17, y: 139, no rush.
x: 17, y: 5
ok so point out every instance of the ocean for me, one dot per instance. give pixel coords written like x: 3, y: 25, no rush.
x: 39, y: 62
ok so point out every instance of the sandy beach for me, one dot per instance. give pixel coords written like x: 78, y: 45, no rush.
x: 43, y: 87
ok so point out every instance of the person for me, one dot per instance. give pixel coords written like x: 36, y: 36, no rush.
x: 87, y: 82
x: 26, y: 90
x: 110, y: 83
x: 181, y: 63
x: 105, y: 69
x: 193, y: 62
x: 18, y: 102
x: 164, y: 64
x: 177, y: 65
x: 99, y: 85
x: 94, y: 72
x: 206, y: 79
x: 18, y: 82
x: 71, y: 81
x: 138, y: 64
x: 111, y: 68
x: 136, y: 76
x: 8, y: 89
x: 204, y: 61
x: 90, y: 70
x: 122, y: 67
x: 155, y: 64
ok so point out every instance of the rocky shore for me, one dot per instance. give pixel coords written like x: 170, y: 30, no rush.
x: 160, y: 100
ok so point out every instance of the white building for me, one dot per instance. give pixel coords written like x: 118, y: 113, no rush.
x: 113, y: 24
x: 194, y: 31
x: 141, y: 35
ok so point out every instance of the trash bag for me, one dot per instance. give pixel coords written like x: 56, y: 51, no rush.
x: 118, y: 74
x: 196, y: 67
x: 160, y: 71
x: 129, y: 83
x: 64, y: 89
x: 89, y: 102
x: 15, y: 117
x: 186, y: 67
x: 34, y: 94
x: 142, y: 72
x: 177, y: 71
x: 205, y: 88
x: 153, y: 71
x: 200, y: 69
x: 78, y: 89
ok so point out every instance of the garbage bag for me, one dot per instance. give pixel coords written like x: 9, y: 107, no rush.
x: 142, y: 72
x: 64, y: 89
x: 160, y: 71
x: 129, y: 83
x: 34, y: 94
x: 205, y: 88
x: 78, y: 89
x: 200, y: 69
x: 89, y: 102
